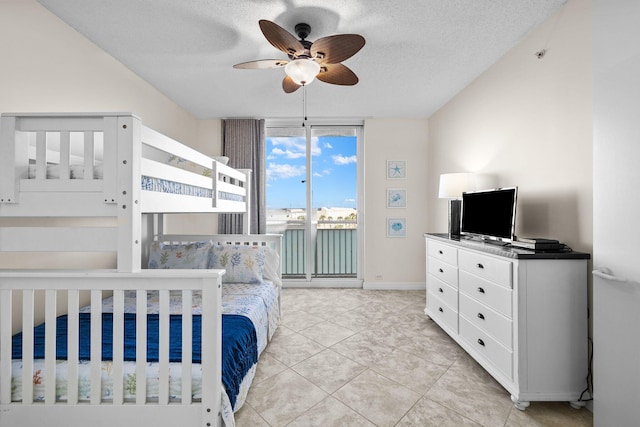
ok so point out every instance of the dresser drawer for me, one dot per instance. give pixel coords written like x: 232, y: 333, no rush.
x: 442, y: 313
x: 443, y: 271
x: 493, y: 269
x: 486, y: 319
x: 489, y: 349
x: 443, y: 291
x: 494, y: 296
x: 443, y: 252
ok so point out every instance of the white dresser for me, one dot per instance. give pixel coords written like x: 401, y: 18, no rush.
x: 521, y: 314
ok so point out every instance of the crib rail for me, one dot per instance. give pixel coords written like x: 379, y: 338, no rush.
x: 61, y: 292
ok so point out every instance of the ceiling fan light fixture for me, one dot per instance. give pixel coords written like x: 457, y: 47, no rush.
x: 302, y: 70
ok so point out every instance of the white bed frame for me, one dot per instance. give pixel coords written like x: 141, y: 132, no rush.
x: 128, y: 150
x: 24, y: 285
x: 41, y: 295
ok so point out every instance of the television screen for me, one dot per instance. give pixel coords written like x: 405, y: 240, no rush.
x: 489, y: 214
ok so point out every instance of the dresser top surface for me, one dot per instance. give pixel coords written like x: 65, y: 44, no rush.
x: 507, y: 251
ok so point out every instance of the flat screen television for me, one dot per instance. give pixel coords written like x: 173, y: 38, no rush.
x: 490, y: 214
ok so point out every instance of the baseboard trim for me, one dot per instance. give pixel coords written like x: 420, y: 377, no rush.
x: 394, y: 286
x: 324, y: 283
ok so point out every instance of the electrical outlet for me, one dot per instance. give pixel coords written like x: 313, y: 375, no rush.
x: 378, y: 276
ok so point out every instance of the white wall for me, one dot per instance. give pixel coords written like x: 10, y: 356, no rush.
x: 395, y: 262
x: 616, y: 174
x: 46, y: 66
x: 528, y: 121
x: 617, y: 137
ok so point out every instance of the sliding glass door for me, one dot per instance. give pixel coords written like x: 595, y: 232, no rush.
x: 313, y: 200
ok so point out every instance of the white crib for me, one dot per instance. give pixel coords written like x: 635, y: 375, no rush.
x: 57, y: 171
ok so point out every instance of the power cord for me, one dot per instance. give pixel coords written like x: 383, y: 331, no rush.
x: 589, y: 375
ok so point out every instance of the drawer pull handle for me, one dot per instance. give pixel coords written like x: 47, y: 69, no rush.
x: 441, y: 270
x: 480, y: 316
x: 480, y: 342
x: 440, y: 252
x: 440, y: 309
x: 440, y: 290
x: 481, y: 290
x: 479, y: 265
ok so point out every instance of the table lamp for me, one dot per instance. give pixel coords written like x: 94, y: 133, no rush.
x: 452, y: 185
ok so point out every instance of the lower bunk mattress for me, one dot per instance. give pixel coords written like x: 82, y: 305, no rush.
x: 250, y: 317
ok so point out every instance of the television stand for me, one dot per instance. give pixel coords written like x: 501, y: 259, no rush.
x: 522, y: 315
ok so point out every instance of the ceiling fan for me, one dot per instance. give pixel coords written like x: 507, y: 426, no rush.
x: 308, y: 60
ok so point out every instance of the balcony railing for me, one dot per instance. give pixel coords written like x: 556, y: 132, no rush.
x: 334, y: 255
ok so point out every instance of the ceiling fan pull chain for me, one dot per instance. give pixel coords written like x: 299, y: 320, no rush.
x: 304, y: 105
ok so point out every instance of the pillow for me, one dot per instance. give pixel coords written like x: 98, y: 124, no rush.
x: 271, y: 265
x: 243, y: 264
x: 186, y: 256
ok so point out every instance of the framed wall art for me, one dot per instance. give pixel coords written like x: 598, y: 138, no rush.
x: 396, y: 169
x: 396, y: 227
x: 396, y: 197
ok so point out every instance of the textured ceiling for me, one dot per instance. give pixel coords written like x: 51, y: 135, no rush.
x: 418, y: 53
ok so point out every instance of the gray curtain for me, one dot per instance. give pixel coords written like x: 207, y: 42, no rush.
x: 244, y: 143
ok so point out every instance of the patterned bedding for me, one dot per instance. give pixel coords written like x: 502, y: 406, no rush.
x: 256, y: 301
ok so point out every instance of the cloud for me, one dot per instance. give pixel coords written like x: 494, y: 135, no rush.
x: 289, y: 154
x: 293, y: 147
x: 284, y: 171
x: 343, y: 160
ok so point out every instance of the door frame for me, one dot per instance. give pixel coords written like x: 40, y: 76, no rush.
x: 308, y: 125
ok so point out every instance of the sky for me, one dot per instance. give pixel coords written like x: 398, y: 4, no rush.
x: 334, y: 172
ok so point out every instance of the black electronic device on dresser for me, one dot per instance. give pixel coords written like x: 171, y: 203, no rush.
x: 538, y: 244
x: 490, y: 214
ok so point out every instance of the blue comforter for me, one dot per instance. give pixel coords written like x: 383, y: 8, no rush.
x: 239, y: 343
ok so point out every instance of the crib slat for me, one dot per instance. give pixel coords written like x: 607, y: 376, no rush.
x: 163, y: 348
x: 88, y: 155
x: 96, y: 346
x: 27, y: 346
x: 187, y: 352
x: 118, y: 347
x: 211, y: 355
x: 73, y: 303
x: 65, y: 155
x: 141, y: 347
x: 50, y: 347
x: 5, y: 346
x: 41, y: 155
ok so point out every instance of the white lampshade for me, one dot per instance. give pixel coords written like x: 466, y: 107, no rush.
x: 302, y: 70
x: 452, y: 185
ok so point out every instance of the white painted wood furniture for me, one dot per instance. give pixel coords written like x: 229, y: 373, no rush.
x: 58, y: 214
x: 125, y: 150
x: 522, y: 315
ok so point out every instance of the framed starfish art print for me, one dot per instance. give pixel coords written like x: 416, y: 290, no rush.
x: 396, y: 169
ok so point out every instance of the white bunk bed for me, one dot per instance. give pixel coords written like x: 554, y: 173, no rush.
x: 94, y: 166
x: 64, y: 168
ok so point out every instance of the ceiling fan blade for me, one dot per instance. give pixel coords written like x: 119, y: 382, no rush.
x: 289, y: 85
x: 335, y: 49
x: 281, y: 38
x: 337, y: 74
x: 261, y: 64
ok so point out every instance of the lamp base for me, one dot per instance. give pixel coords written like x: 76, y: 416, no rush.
x: 455, y: 213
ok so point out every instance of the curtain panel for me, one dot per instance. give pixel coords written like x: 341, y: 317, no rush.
x: 244, y: 143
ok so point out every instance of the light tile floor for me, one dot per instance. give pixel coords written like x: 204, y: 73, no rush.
x: 350, y: 357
